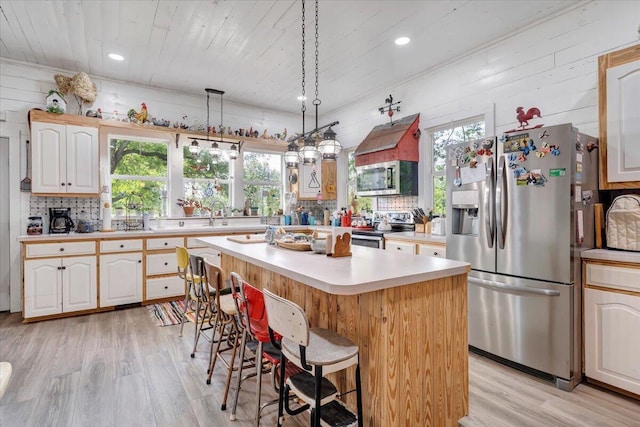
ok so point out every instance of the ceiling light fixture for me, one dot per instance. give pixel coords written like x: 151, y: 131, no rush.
x: 215, y: 151
x: 302, y: 98
x: 116, y: 57
x: 401, y: 41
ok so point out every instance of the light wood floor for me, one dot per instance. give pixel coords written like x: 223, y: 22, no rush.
x: 119, y: 369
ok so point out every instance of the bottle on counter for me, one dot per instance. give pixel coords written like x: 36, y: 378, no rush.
x: 326, y: 218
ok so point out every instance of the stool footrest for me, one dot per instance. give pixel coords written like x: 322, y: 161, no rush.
x: 303, y: 384
x: 335, y: 414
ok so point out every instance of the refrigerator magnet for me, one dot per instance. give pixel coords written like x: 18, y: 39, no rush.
x: 543, y: 135
x: 579, y: 157
x: 557, y: 172
x: 578, y: 167
x: 580, y: 227
x: 578, y: 178
x: 578, y: 193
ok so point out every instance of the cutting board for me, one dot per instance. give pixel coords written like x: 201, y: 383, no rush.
x: 599, y: 224
x: 249, y: 238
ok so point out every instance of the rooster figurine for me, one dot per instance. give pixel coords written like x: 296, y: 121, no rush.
x: 524, y: 118
x: 141, y: 117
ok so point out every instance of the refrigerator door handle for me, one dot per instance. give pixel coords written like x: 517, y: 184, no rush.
x: 489, y: 216
x: 502, y: 204
x: 513, y: 289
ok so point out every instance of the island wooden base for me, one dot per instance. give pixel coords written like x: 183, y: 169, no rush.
x: 412, y: 340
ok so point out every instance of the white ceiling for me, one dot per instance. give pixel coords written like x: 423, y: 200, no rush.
x: 252, y: 49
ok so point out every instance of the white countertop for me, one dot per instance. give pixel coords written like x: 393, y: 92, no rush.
x: 367, y: 270
x: 186, y: 231
x: 417, y: 237
x: 612, y: 255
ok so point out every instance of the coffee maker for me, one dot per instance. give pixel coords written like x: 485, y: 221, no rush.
x: 61, y: 221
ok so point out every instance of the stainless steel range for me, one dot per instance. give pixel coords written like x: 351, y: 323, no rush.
x: 373, y: 236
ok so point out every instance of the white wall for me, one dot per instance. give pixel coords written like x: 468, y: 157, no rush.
x: 552, y: 65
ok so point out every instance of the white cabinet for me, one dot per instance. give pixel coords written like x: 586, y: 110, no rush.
x: 403, y: 247
x: 623, y: 122
x: 64, y: 158
x: 59, y: 285
x: 612, y: 322
x: 432, y: 250
x: 210, y: 254
x: 120, y: 279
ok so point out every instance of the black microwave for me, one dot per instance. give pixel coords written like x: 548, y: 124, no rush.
x: 387, y: 179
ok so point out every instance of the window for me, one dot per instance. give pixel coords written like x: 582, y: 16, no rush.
x: 365, y: 204
x: 139, y: 174
x: 262, y: 179
x: 441, y: 137
x: 206, y: 178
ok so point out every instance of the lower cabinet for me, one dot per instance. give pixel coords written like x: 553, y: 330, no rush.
x: 120, y: 279
x: 612, y: 325
x: 415, y: 248
x: 59, y: 285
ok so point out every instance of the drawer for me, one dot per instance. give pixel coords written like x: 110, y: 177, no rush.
x: 610, y: 276
x: 164, y: 287
x: 401, y: 247
x: 432, y: 250
x: 121, y: 245
x: 165, y: 263
x: 60, y: 249
x: 192, y: 242
x: 164, y: 243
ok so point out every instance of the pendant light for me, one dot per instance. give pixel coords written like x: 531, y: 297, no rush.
x: 309, y: 153
x: 329, y: 147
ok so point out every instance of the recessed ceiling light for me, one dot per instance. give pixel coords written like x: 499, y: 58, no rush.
x: 302, y: 98
x: 401, y: 41
x: 116, y: 57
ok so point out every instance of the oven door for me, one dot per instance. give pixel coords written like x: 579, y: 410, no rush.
x: 368, y: 241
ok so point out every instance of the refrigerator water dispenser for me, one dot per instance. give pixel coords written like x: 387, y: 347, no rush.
x: 465, y: 213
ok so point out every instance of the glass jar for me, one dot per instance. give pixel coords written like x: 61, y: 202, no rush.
x: 34, y: 225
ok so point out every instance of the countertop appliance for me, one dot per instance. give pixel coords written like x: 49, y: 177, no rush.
x: 60, y: 220
x: 520, y: 209
x: 398, y: 177
x: 373, y: 237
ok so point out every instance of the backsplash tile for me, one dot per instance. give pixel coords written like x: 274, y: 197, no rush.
x: 396, y: 203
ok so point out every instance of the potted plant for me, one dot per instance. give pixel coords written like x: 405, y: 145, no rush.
x: 188, y: 205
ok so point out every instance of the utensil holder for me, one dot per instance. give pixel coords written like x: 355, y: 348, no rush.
x: 420, y: 228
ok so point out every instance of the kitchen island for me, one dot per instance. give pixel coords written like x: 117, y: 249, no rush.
x: 408, y: 316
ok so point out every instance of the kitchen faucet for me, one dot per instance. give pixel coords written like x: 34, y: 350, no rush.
x: 212, y: 212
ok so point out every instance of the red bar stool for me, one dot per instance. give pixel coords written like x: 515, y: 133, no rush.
x: 318, y: 352
x: 250, y: 302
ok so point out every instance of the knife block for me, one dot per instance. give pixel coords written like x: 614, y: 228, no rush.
x: 421, y: 228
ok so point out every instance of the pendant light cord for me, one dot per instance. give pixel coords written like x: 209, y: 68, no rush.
x: 304, y: 107
x: 317, y: 101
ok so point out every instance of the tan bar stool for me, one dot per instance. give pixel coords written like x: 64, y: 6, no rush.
x: 319, y: 352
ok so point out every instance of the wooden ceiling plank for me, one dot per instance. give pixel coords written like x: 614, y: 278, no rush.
x: 17, y: 18
x: 75, y: 24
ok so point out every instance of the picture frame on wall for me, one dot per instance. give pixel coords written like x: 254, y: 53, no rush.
x: 310, y: 181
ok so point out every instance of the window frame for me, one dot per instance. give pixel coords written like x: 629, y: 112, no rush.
x: 242, y: 183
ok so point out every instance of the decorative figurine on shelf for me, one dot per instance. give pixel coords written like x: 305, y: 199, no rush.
x: 80, y: 86
x: 55, y: 102
x: 250, y: 131
x: 284, y: 135
x: 141, y: 117
x: 265, y: 135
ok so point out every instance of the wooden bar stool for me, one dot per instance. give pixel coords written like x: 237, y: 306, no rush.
x: 224, y: 323
x: 318, y: 352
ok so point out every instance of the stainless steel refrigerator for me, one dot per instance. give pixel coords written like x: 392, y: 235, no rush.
x: 520, y: 209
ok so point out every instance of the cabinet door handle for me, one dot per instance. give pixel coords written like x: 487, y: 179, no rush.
x: 166, y: 263
x: 63, y: 268
x: 166, y: 243
x: 59, y: 268
x: 122, y: 246
x: 435, y: 253
x: 61, y: 249
x: 399, y: 249
x: 63, y: 184
x: 139, y: 261
x: 69, y: 184
x: 166, y: 287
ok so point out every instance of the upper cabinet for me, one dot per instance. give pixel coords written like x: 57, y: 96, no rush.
x: 619, y: 119
x: 318, y: 179
x: 65, y: 159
